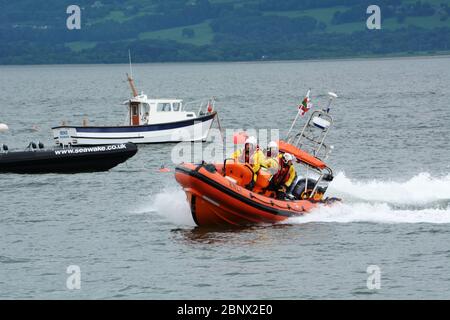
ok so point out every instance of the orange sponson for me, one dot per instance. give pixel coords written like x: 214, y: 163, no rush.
x: 218, y: 198
x: 301, y: 155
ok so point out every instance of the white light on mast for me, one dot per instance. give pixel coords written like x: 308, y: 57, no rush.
x: 332, y: 96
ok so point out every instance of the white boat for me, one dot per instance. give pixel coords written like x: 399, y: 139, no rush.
x: 148, y: 121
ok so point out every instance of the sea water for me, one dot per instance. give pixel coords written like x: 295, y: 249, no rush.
x: 130, y: 231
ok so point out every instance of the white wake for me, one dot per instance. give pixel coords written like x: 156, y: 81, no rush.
x: 170, y: 204
x: 420, y: 189
x: 421, y: 199
x: 379, y: 213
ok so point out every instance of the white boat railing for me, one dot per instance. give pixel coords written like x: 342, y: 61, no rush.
x: 311, y: 138
x: 203, y: 105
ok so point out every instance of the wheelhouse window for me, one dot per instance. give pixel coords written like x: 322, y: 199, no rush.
x: 134, y: 109
x: 164, y: 107
x: 176, y: 106
x: 146, y: 107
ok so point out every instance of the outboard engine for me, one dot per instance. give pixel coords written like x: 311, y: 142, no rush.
x: 40, y: 145
x: 305, y: 187
x: 4, y: 148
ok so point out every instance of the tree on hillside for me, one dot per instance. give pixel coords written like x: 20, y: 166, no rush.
x: 188, y: 33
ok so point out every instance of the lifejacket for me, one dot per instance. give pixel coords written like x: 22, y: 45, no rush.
x: 257, y: 162
x: 282, y: 175
x: 272, y: 162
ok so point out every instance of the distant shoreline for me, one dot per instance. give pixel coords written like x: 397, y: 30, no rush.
x: 339, y: 58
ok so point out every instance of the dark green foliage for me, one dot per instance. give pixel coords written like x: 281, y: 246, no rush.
x: 188, y: 33
x: 35, y: 31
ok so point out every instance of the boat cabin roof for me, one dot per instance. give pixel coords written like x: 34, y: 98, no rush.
x: 143, y: 99
x: 165, y: 101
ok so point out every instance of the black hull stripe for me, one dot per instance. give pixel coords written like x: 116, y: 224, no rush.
x: 143, y: 128
x: 105, y: 138
x: 80, y: 141
x: 235, y: 195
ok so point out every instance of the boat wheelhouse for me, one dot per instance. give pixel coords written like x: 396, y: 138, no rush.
x: 144, y: 111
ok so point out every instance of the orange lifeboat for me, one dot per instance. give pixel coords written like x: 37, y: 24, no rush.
x: 217, y: 196
x: 218, y: 193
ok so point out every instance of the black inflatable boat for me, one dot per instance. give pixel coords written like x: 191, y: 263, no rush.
x: 65, y: 160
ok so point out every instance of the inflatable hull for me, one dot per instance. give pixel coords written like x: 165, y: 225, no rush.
x: 216, y: 201
x: 68, y: 160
